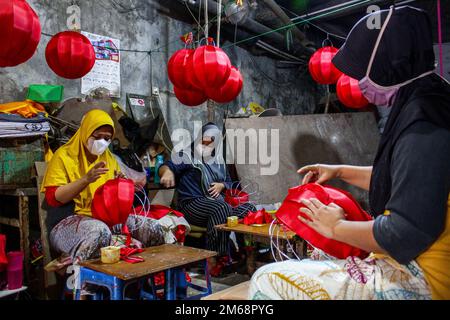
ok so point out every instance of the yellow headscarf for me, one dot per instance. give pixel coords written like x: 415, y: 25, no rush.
x: 69, y: 163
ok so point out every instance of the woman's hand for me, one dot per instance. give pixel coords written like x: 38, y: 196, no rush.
x: 319, y: 173
x: 323, y: 219
x: 95, y: 173
x: 167, y: 178
x: 119, y: 174
x: 216, y: 189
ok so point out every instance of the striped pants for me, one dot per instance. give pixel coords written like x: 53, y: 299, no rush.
x: 205, y: 212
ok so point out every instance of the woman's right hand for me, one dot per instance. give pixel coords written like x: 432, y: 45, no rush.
x: 95, y: 173
x: 319, y: 173
x: 167, y: 178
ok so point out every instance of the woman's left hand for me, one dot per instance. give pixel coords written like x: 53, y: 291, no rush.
x: 216, y: 189
x: 322, y: 218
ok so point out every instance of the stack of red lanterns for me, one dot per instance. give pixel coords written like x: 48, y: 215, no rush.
x: 323, y: 71
x: 203, y: 73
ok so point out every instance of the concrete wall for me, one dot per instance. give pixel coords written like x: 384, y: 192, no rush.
x: 147, y: 28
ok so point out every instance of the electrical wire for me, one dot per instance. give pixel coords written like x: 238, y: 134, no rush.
x: 314, y: 25
x: 296, y: 23
x: 302, y: 21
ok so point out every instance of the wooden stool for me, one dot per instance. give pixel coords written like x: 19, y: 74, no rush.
x: 172, y: 259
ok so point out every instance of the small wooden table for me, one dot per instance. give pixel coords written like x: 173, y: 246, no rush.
x: 168, y: 258
x: 261, y: 234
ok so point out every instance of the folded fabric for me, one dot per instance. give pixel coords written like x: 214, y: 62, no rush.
x: 257, y: 217
x: 23, y: 129
x: 13, y: 117
x: 126, y: 252
x: 26, y: 109
x: 290, y: 210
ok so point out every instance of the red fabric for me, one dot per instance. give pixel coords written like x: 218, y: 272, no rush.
x: 126, y: 252
x: 180, y: 234
x: 50, y: 197
x: 158, y: 211
x: 159, y: 278
x: 258, y: 217
x: 235, y: 197
x: 70, y: 55
x: 3, y: 257
x: 113, y: 201
x: 21, y: 32
x: 289, y: 211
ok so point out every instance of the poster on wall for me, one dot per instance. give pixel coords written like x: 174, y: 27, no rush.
x: 106, y: 70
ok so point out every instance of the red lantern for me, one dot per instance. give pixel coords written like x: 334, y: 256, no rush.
x: 211, y: 67
x: 349, y: 94
x: 113, y: 201
x: 321, y: 68
x: 190, y: 97
x: 289, y: 211
x: 70, y: 55
x: 230, y: 90
x: 179, y: 68
x: 20, y: 32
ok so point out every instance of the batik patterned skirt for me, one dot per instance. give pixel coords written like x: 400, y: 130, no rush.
x: 377, y: 277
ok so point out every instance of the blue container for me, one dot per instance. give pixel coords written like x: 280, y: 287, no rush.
x: 158, y: 163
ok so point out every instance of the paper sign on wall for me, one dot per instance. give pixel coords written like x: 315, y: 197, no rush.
x: 106, y: 71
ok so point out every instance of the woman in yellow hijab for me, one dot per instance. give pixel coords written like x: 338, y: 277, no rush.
x: 73, y: 175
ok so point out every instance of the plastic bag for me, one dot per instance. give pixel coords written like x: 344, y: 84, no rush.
x: 139, y: 178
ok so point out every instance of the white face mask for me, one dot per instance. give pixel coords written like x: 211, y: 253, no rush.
x: 97, y: 147
x: 375, y: 93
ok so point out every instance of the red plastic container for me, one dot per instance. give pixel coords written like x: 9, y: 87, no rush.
x: 14, y: 270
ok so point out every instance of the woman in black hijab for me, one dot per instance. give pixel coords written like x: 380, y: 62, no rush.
x: 409, y: 182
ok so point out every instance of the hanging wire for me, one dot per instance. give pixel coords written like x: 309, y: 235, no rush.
x: 314, y: 25
x: 302, y: 21
x: 296, y: 23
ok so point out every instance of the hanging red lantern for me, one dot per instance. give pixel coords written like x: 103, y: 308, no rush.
x: 229, y: 91
x: 70, y: 55
x: 321, y: 68
x: 113, y: 201
x: 20, y: 32
x: 289, y: 211
x: 190, y: 97
x: 211, y: 67
x: 179, y: 68
x: 349, y: 93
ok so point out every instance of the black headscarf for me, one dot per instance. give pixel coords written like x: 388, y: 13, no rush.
x: 405, y: 52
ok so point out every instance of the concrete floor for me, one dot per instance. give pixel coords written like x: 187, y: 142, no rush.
x: 218, y: 283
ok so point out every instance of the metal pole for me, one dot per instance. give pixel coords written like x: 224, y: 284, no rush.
x: 219, y: 16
